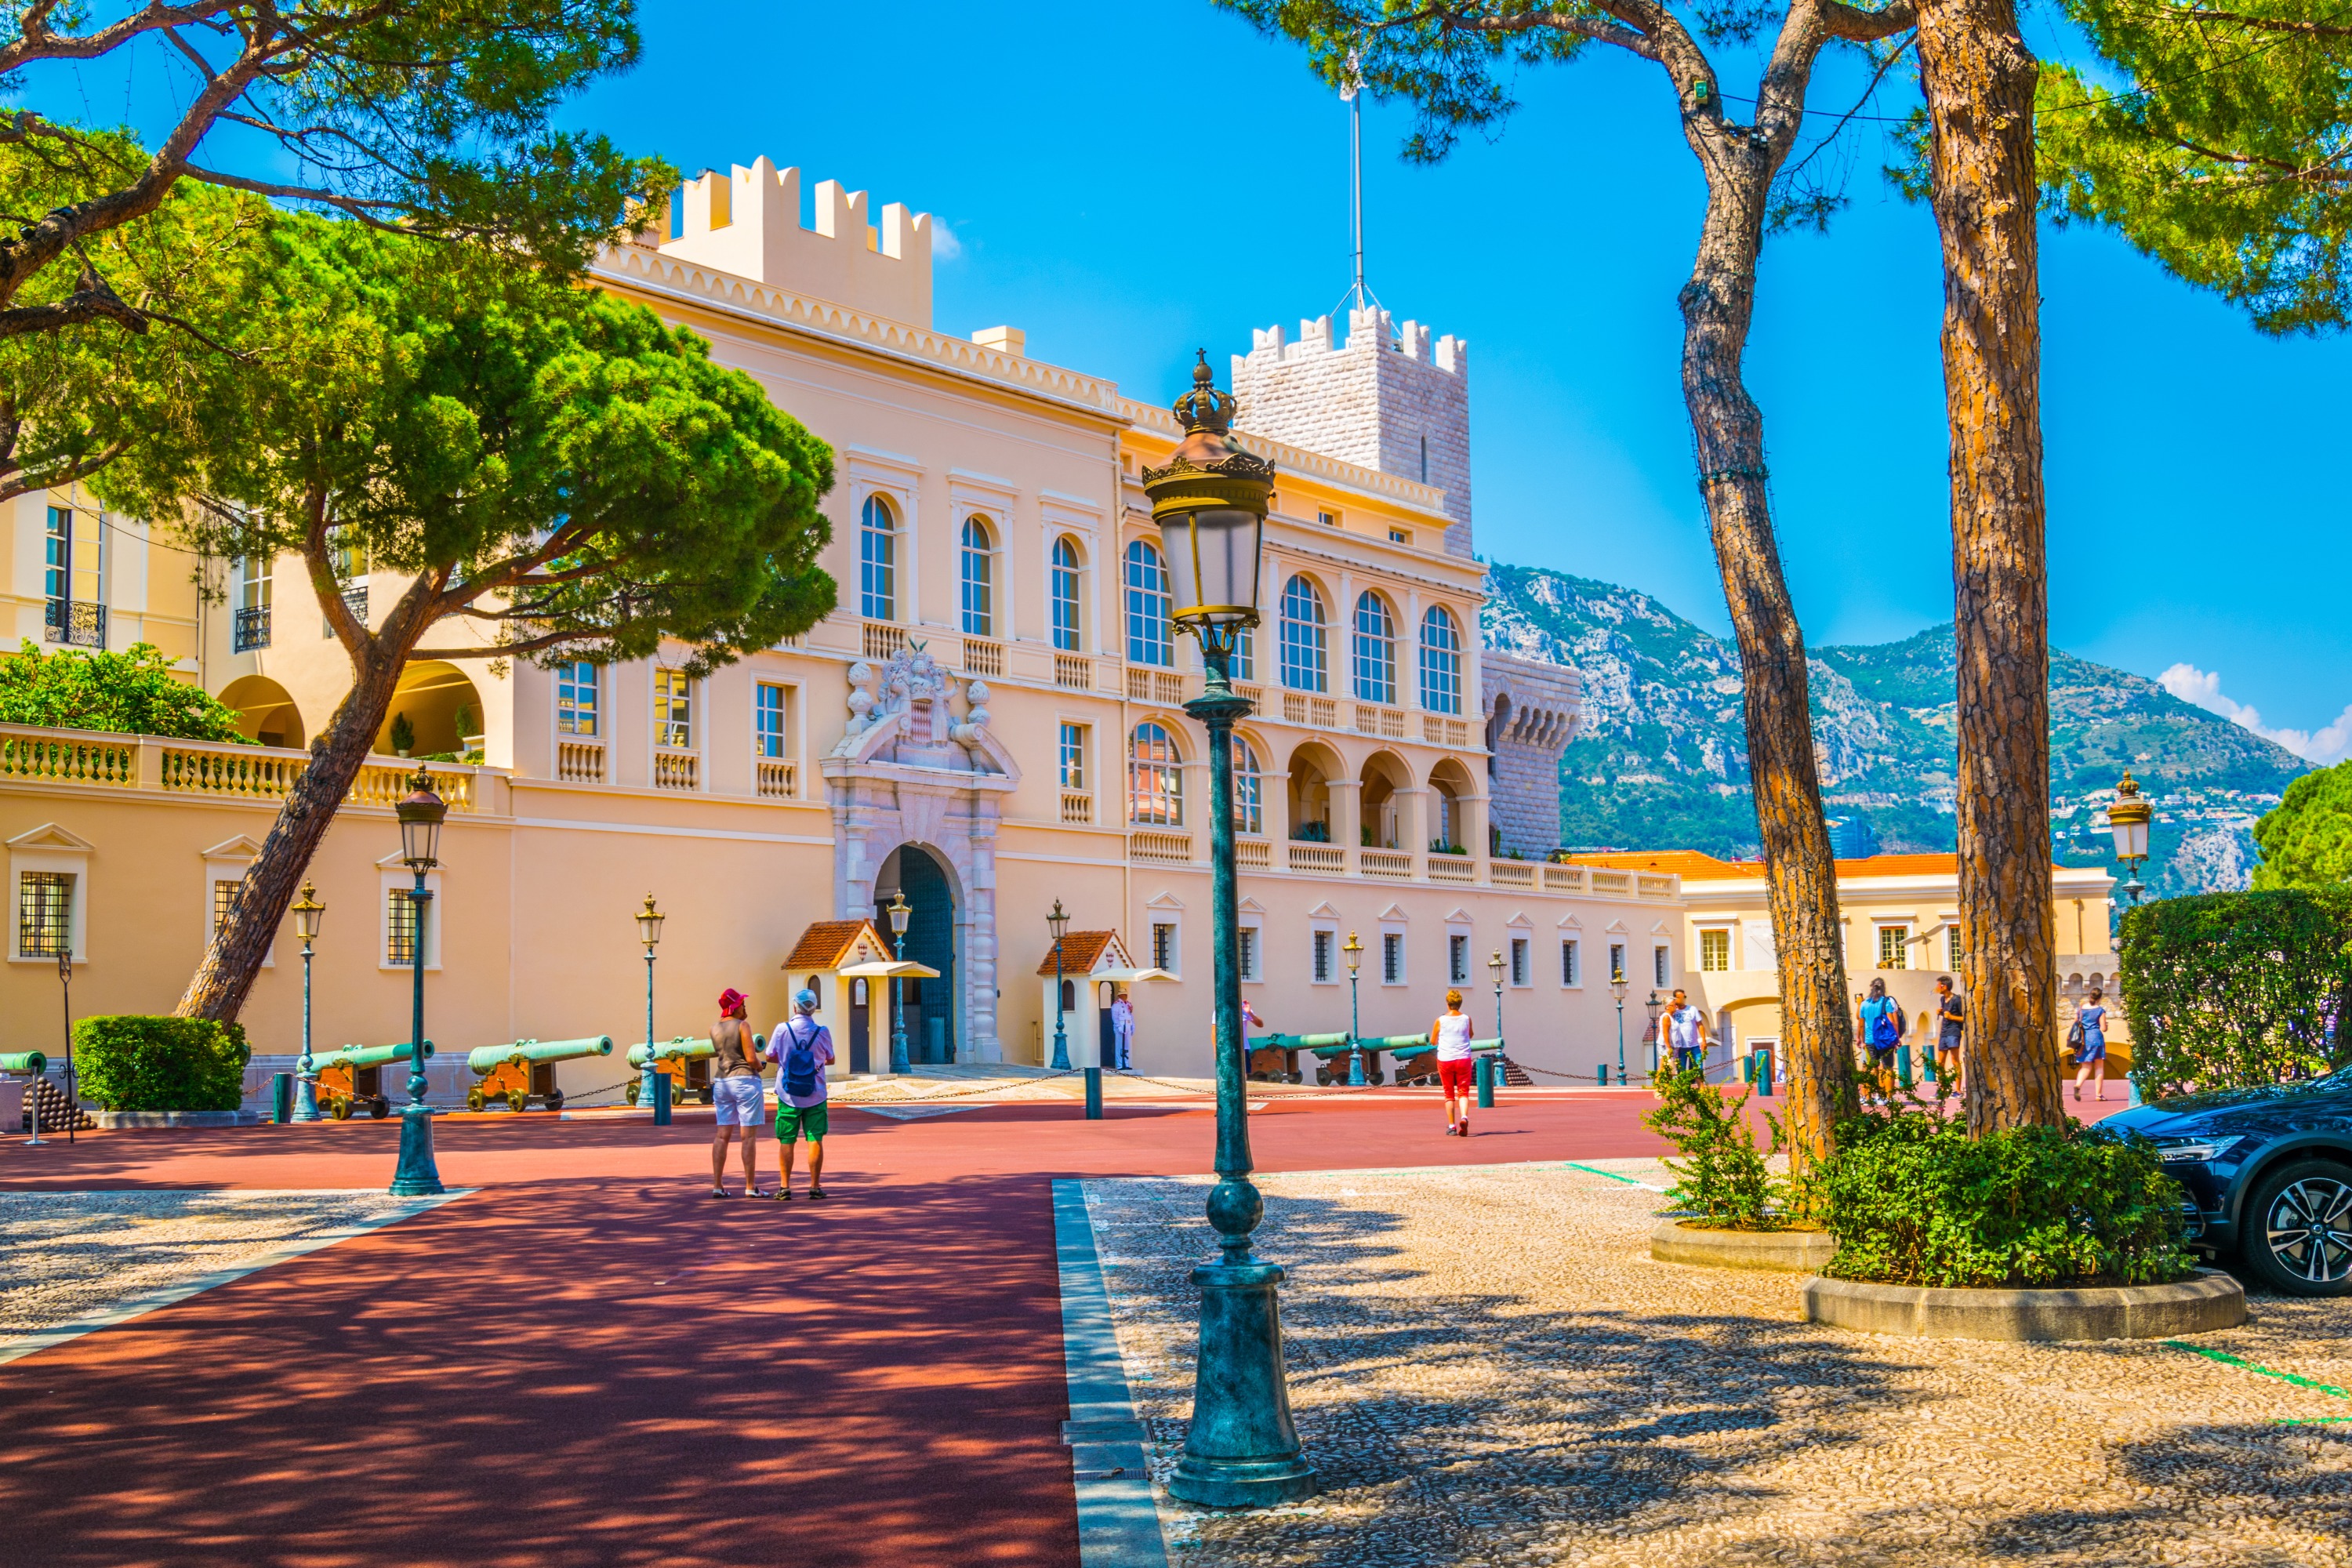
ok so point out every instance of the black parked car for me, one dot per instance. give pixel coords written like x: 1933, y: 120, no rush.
x: 2270, y: 1171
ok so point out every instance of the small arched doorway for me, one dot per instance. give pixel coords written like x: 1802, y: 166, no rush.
x: 934, y: 1030
x: 265, y: 713
x: 443, y: 708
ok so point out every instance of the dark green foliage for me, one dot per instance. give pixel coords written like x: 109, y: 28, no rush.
x: 129, y: 693
x: 1722, y: 1176
x: 2306, y: 841
x: 2229, y: 989
x: 1914, y: 1200
x: 132, y: 1062
x: 403, y: 734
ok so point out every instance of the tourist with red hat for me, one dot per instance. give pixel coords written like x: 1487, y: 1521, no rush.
x: 736, y: 1093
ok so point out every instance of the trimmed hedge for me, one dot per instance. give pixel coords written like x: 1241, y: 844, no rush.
x: 2224, y: 990
x: 1722, y: 1178
x: 132, y: 1062
x: 1914, y: 1200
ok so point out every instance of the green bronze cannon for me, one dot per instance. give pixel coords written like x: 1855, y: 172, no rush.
x: 1274, y: 1058
x: 526, y: 1069
x: 1417, y: 1062
x: 354, y: 1075
x: 34, y: 1062
x: 1333, y: 1065
x: 686, y: 1063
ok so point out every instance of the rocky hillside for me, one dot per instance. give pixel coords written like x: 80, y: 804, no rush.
x: 1662, y: 761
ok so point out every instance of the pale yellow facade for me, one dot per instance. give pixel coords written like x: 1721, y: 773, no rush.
x: 977, y: 752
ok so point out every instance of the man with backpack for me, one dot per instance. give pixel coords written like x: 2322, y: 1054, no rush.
x: 1881, y: 1030
x: 801, y: 1049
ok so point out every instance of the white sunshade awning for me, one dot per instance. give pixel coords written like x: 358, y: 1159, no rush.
x: 1128, y: 976
x: 885, y: 969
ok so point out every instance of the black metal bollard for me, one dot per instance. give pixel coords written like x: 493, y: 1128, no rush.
x: 1093, y: 1094
x: 281, y: 1098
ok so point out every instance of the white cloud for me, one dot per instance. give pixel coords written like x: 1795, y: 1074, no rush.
x: 945, y: 246
x: 2190, y: 684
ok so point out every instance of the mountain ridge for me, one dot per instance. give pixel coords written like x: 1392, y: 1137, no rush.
x: 1661, y: 761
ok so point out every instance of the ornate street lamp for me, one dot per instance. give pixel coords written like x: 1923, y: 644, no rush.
x: 1355, y: 952
x: 901, y: 911
x: 650, y: 923
x: 1617, y: 988
x: 1058, y: 922
x: 1655, y: 1003
x: 2127, y: 819
x: 421, y: 813
x: 1209, y: 501
x: 1495, y: 964
x: 307, y: 913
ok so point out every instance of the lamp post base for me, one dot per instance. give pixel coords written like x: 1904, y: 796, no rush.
x: 416, y: 1176
x: 1241, y: 1450
x: 306, y: 1099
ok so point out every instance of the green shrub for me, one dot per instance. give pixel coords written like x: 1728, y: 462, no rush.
x: 403, y: 734
x: 1722, y: 1178
x: 129, y: 693
x: 2228, y: 989
x: 1914, y: 1200
x: 132, y: 1062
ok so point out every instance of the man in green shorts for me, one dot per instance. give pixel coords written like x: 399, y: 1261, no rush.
x: 801, y: 1049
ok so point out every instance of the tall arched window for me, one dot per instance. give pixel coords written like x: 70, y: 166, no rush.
x: 877, y: 561
x: 1149, y: 638
x: 1155, y: 780
x: 1067, y: 635
x: 1249, y: 812
x: 1303, y: 637
x: 1441, y: 661
x: 1376, y: 679
x: 979, y: 597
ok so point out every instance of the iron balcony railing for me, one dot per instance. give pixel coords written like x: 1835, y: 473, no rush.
x: 69, y: 621
x: 252, y: 630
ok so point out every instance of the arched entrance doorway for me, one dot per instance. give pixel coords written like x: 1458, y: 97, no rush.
x: 442, y: 706
x: 264, y: 710
x: 934, y: 1030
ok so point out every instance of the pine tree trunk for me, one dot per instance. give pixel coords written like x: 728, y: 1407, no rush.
x: 224, y: 977
x: 1800, y: 876
x: 1979, y: 79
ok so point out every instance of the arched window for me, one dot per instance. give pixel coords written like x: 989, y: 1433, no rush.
x: 1303, y: 635
x: 1441, y: 662
x: 1149, y: 638
x: 1066, y: 637
x: 878, y: 560
x: 1155, y: 781
x: 1375, y: 650
x: 978, y: 601
x: 1249, y: 813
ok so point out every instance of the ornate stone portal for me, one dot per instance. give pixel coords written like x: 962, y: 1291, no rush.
x: 920, y: 766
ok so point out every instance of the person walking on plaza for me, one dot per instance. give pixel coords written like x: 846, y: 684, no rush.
x: 1122, y: 1031
x: 2089, y: 1039
x: 1687, y: 1028
x: 801, y: 1049
x: 735, y: 1093
x: 1451, y: 1036
x: 1881, y: 1031
x: 1949, y: 1015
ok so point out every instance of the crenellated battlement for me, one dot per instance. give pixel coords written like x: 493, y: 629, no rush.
x: 1389, y: 398
x: 748, y: 222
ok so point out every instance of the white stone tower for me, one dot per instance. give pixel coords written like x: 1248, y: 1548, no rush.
x: 1389, y: 400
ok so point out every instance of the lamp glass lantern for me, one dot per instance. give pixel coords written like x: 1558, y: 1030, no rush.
x: 650, y: 923
x: 307, y: 913
x: 901, y: 911
x: 1355, y: 952
x: 1209, y: 501
x: 1058, y: 922
x: 2127, y: 819
x: 421, y: 813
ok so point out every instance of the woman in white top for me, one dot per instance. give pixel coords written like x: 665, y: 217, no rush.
x: 1451, y: 1036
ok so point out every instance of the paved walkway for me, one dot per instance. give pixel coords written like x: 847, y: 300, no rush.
x: 588, y: 1362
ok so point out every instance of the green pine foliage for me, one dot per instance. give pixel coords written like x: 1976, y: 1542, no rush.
x: 2306, y: 840
x: 2228, y: 990
x: 129, y: 693
x: 1914, y: 1200
x: 135, y: 1062
x: 1723, y: 1180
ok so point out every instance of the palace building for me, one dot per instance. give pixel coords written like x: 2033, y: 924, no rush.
x: 989, y: 722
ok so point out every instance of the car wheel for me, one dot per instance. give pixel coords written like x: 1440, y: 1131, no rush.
x: 2298, y: 1229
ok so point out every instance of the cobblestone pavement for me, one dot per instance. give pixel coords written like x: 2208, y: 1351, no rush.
x: 1487, y: 1368
x: 66, y: 1257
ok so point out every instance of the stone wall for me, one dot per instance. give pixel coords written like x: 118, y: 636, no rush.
x: 1531, y: 709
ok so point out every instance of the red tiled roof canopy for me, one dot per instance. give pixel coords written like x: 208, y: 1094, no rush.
x: 1081, y: 950
x: 826, y: 943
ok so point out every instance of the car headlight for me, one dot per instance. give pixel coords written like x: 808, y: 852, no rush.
x: 2197, y: 1150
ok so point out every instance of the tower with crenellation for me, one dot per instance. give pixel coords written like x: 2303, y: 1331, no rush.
x: 747, y: 222
x: 1387, y: 398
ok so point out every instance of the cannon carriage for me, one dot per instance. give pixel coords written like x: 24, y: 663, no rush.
x: 525, y: 1070
x: 353, y: 1076
x: 1333, y: 1064
x: 686, y: 1063
x: 1274, y: 1058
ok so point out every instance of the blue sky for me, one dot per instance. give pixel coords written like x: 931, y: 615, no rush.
x: 2198, y: 521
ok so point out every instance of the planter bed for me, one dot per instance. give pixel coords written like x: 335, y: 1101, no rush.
x: 120, y: 1118
x: 1790, y: 1251
x: 2201, y: 1304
